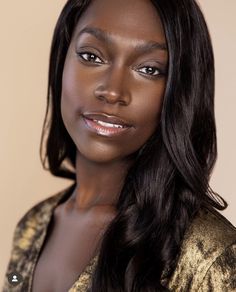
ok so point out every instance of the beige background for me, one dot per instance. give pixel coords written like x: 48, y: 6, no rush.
x: 25, y: 35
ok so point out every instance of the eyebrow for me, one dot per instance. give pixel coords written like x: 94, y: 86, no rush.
x: 106, y: 38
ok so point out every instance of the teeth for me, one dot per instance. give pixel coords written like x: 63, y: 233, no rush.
x: 108, y: 124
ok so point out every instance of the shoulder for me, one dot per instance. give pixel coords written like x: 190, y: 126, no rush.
x: 207, y: 246
x: 210, y: 231
x: 221, y: 275
x: 39, y: 212
x: 32, y: 224
x: 29, y: 231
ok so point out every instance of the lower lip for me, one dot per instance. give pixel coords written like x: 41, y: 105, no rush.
x: 104, y: 131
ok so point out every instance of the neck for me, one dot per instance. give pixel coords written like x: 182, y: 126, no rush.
x: 98, y: 184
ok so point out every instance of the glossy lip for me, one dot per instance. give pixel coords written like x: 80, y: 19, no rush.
x: 104, y: 117
x: 104, y: 131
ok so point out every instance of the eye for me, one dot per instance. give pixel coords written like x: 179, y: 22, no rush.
x: 148, y: 70
x: 90, y: 57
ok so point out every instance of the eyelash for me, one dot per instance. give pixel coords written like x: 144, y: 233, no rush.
x: 151, y: 76
x: 90, y: 54
x: 152, y: 68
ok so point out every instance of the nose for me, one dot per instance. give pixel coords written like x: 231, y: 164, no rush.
x: 113, y: 87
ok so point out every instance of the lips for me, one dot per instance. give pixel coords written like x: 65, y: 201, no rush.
x: 107, y: 119
x: 106, y: 125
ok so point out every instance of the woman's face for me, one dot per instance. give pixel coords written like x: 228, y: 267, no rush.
x: 114, y: 79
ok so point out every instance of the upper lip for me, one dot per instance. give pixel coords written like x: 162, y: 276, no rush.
x: 104, y: 117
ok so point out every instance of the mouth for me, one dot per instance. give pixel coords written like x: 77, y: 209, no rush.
x: 105, y: 125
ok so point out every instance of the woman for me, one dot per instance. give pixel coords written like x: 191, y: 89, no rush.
x: 131, y: 121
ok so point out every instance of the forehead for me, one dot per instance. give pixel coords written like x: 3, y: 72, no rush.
x: 131, y: 20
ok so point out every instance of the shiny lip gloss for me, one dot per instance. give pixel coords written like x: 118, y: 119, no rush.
x: 103, y: 130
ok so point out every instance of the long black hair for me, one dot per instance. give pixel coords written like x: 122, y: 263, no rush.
x: 169, y: 181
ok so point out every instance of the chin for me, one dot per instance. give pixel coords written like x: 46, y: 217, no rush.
x: 100, y: 154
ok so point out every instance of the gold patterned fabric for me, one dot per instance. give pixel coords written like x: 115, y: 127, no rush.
x: 207, y: 260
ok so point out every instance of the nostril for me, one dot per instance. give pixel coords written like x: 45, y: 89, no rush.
x: 111, y: 95
x: 101, y: 97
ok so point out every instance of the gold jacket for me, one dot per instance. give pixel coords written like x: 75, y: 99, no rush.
x: 207, y: 260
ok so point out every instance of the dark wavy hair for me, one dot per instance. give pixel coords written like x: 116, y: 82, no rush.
x: 169, y: 181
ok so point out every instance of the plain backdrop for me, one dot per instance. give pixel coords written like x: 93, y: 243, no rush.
x: 25, y: 35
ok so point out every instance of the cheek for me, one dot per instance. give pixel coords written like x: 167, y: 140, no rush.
x: 74, y: 97
x: 146, y: 110
x: 149, y: 104
x: 71, y: 84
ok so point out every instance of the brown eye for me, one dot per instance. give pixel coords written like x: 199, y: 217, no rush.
x: 153, y: 71
x: 90, y: 57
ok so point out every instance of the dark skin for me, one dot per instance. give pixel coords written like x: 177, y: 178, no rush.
x: 119, y: 76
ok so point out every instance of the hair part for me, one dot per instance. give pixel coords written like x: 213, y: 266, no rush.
x: 169, y: 180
